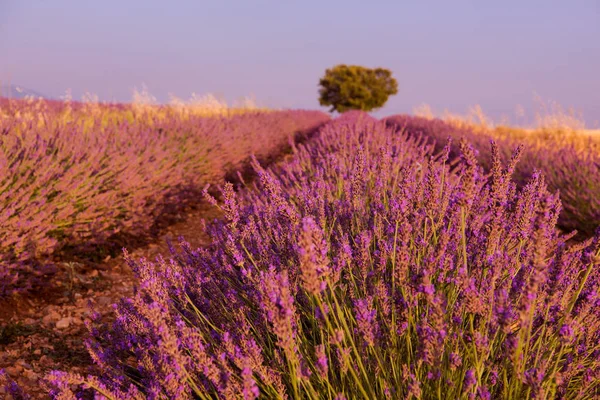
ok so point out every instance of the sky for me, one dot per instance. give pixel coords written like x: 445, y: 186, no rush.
x: 448, y: 54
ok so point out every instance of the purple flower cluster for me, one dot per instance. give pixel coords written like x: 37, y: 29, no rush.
x: 72, y: 178
x: 367, y: 266
x: 11, y: 387
x: 570, y: 167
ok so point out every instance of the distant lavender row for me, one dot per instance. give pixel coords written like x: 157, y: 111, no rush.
x: 568, y: 168
x: 70, y: 176
x: 364, y: 268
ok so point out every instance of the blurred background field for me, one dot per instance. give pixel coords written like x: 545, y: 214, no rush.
x: 84, y: 176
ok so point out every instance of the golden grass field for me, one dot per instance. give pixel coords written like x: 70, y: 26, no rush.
x: 553, y: 125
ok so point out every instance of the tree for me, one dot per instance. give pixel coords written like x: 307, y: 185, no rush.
x: 352, y: 87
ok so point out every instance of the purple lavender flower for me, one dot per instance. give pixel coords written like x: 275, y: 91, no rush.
x: 470, y: 379
x: 322, y: 362
x: 566, y: 333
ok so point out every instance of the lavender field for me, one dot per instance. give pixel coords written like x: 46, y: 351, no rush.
x: 80, y: 178
x: 310, y: 200
x: 398, y: 259
x: 569, y: 162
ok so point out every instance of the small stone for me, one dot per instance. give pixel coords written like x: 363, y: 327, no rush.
x: 14, y: 371
x: 37, y: 352
x: 29, y: 374
x: 107, y: 258
x: 50, y: 317
x: 63, y: 323
x: 104, y: 300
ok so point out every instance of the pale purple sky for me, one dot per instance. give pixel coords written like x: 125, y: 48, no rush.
x: 449, y: 54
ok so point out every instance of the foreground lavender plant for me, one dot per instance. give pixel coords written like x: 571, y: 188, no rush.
x: 364, y: 268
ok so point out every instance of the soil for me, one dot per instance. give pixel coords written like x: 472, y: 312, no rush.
x: 45, y: 330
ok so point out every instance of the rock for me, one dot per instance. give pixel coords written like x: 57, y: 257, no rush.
x: 63, y: 299
x: 104, y: 300
x: 37, y: 352
x: 14, y: 371
x: 63, y: 323
x: 29, y: 374
x: 94, y: 273
x: 105, y: 274
x: 49, y: 318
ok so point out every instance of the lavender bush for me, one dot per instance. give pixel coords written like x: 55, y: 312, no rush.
x: 366, y: 267
x: 71, y: 176
x: 570, y: 164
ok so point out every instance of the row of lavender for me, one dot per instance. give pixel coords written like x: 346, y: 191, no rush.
x: 573, y: 169
x: 70, y: 177
x: 364, y: 268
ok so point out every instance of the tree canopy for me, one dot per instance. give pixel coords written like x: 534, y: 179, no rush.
x: 353, y: 87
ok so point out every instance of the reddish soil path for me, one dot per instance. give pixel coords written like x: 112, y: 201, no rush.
x: 45, y: 331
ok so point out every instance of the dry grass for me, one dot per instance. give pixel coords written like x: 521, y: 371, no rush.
x: 554, y: 126
x: 143, y: 105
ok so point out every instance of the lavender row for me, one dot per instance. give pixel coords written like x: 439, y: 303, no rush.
x: 367, y: 267
x: 570, y: 167
x: 70, y: 177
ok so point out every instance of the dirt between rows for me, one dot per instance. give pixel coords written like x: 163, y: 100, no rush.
x: 45, y: 330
